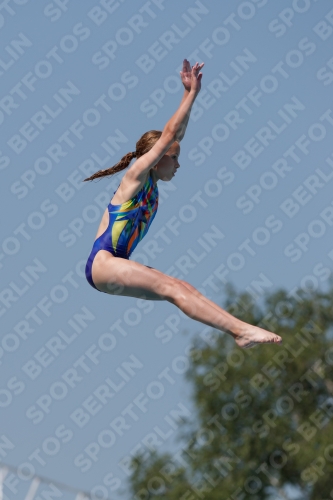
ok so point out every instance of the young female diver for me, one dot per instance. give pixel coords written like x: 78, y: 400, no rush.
x: 130, y: 214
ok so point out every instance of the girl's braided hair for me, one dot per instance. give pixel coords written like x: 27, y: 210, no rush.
x: 144, y: 144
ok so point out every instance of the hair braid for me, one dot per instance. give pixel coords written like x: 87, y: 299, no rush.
x: 144, y: 144
x: 123, y: 163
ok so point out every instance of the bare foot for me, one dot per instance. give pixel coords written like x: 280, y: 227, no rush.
x: 253, y: 335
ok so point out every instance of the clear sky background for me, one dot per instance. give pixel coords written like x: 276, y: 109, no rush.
x: 252, y: 202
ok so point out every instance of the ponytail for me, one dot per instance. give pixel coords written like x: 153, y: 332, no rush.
x: 144, y: 144
x: 121, y: 165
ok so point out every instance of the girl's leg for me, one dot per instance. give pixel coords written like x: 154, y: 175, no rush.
x: 129, y: 278
x: 196, y: 292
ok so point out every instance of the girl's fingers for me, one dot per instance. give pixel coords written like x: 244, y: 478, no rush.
x: 187, y: 66
x: 197, y: 67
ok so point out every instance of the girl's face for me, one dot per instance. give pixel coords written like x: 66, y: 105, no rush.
x: 168, y: 164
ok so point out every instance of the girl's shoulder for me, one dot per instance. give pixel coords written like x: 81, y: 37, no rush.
x: 128, y: 189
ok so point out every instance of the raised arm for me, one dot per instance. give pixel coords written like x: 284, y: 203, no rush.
x: 174, y: 129
x: 185, y: 76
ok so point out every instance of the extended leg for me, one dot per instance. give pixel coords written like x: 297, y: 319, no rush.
x: 242, y: 340
x: 196, y: 292
x: 129, y: 278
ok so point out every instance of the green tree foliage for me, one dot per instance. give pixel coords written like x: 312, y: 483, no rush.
x: 263, y: 419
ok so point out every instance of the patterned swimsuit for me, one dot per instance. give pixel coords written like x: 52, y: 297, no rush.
x: 128, y: 224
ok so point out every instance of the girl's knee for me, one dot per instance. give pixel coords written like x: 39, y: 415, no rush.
x: 176, y: 291
x: 188, y: 286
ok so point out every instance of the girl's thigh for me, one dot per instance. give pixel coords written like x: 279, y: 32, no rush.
x: 128, y: 278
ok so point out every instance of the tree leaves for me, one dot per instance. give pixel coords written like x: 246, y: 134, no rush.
x: 263, y: 416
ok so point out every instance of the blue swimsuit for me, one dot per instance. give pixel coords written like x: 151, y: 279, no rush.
x: 128, y: 224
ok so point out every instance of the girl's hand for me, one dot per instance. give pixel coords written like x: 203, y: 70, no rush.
x: 196, y: 77
x: 187, y: 75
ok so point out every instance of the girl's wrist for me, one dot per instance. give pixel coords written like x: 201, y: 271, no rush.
x: 193, y: 93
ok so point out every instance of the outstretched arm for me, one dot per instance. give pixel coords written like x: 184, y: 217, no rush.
x: 185, y: 76
x: 191, y: 78
x: 174, y: 129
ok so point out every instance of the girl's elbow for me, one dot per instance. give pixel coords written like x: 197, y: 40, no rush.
x: 180, y: 133
x: 170, y: 133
